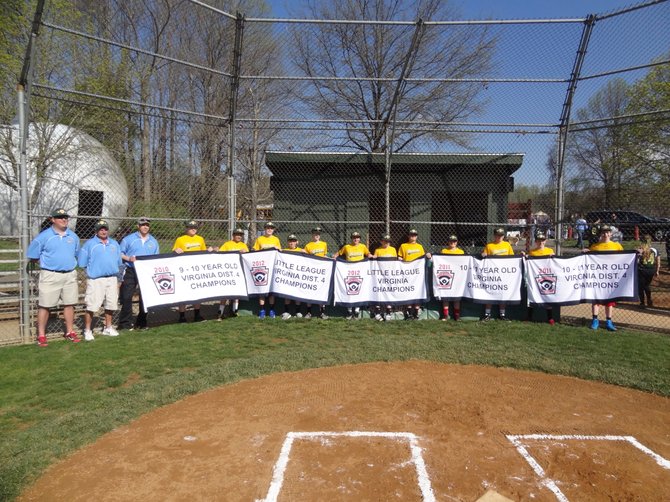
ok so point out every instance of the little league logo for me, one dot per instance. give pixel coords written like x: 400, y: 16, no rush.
x: 260, y: 276
x: 445, y: 279
x: 546, y: 283
x: 353, y: 284
x: 164, y: 282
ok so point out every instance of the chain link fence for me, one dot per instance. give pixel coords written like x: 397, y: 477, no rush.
x: 346, y: 117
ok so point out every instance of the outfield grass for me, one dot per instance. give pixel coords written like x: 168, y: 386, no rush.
x: 55, y: 400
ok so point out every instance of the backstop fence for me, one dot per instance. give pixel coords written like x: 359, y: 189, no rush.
x: 374, y: 117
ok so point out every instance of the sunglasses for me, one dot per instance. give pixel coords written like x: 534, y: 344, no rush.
x: 145, y: 225
x: 61, y: 217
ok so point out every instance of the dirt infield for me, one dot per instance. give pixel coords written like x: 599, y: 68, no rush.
x: 383, y: 431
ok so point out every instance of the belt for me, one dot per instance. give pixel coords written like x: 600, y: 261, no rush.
x: 58, y: 271
x: 106, y: 276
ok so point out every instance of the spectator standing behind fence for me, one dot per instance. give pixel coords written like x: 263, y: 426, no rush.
x: 452, y: 248
x: 292, y: 307
x: 316, y: 247
x: 229, y: 308
x: 140, y: 243
x: 604, y: 243
x: 101, y: 257
x: 581, y: 226
x: 385, y: 250
x: 410, y: 251
x: 541, y: 250
x: 354, y: 252
x: 56, y: 249
x: 263, y: 242
x: 499, y: 247
x: 648, y: 267
x: 188, y: 243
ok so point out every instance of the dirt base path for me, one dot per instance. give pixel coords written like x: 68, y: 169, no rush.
x: 379, y: 432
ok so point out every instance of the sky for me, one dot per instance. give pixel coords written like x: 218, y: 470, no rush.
x: 542, y: 103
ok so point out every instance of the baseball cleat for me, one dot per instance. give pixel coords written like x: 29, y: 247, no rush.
x: 595, y: 324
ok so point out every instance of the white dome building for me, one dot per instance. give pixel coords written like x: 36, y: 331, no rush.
x: 80, y: 176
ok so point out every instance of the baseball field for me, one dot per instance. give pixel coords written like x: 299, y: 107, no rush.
x: 337, y: 410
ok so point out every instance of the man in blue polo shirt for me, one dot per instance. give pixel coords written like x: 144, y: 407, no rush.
x: 101, y: 256
x: 140, y: 243
x: 56, y: 248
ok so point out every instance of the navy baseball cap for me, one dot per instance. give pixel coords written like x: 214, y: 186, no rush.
x: 191, y: 224
x: 101, y: 224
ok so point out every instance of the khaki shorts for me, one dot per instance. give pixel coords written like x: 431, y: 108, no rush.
x: 54, y: 286
x: 103, y: 291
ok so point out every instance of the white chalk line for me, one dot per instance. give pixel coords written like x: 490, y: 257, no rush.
x: 518, y: 442
x: 416, y: 451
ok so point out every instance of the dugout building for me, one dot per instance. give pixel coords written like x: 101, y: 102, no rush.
x: 468, y: 189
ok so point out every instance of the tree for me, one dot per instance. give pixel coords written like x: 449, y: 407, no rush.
x: 650, y: 136
x: 377, y: 54
x: 600, y: 153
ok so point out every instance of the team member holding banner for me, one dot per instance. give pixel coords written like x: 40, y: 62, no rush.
x: 354, y: 252
x: 226, y: 308
x: 292, y: 307
x: 316, y: 247
x: 452, y: 248
x: 188, y: 243
x: 263, y: 242
x: 385, y: 251
x: 499, y: 247
x: 140, y: 243
x: 410, y: 251
x: 540, y: 249
x: 604, y: 243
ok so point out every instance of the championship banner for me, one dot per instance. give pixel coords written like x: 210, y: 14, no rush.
x: 380, y: 282
x: 302, y: 277
x: 450, y: 276
x: 489, y: 280
x: 588, y: 277
x: 258, y: 269
x: 189, y: 278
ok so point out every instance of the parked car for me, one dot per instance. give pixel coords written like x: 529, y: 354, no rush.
x: 626, y: 221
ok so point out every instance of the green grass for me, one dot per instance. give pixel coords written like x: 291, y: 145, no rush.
x: 55, y: 400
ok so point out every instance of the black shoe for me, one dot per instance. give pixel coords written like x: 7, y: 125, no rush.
x: 198, y: 318
x: 182, y: 319
x: 504, y: 318
x: 486, y: 318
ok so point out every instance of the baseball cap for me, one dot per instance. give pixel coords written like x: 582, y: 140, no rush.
x: 355, y: 234
x: 386, y: 237
x: 316, y: 230
x: 101, y: 224
x: 540, y: 236
x: 143, y: 220
x: 452, y: 238
x: 269, y: 224
x: 605, y: 228
x: 499, y: 231
x: 292, y: 237
x: 413, y: 232
x: 238, y: 231
x: 191, y: 224
x: 59, y: 213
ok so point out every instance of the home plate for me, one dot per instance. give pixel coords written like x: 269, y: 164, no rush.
x: 493, y: 496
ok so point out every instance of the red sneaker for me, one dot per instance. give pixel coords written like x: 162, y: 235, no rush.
x: 72, y: 336
x: 42, y: 341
